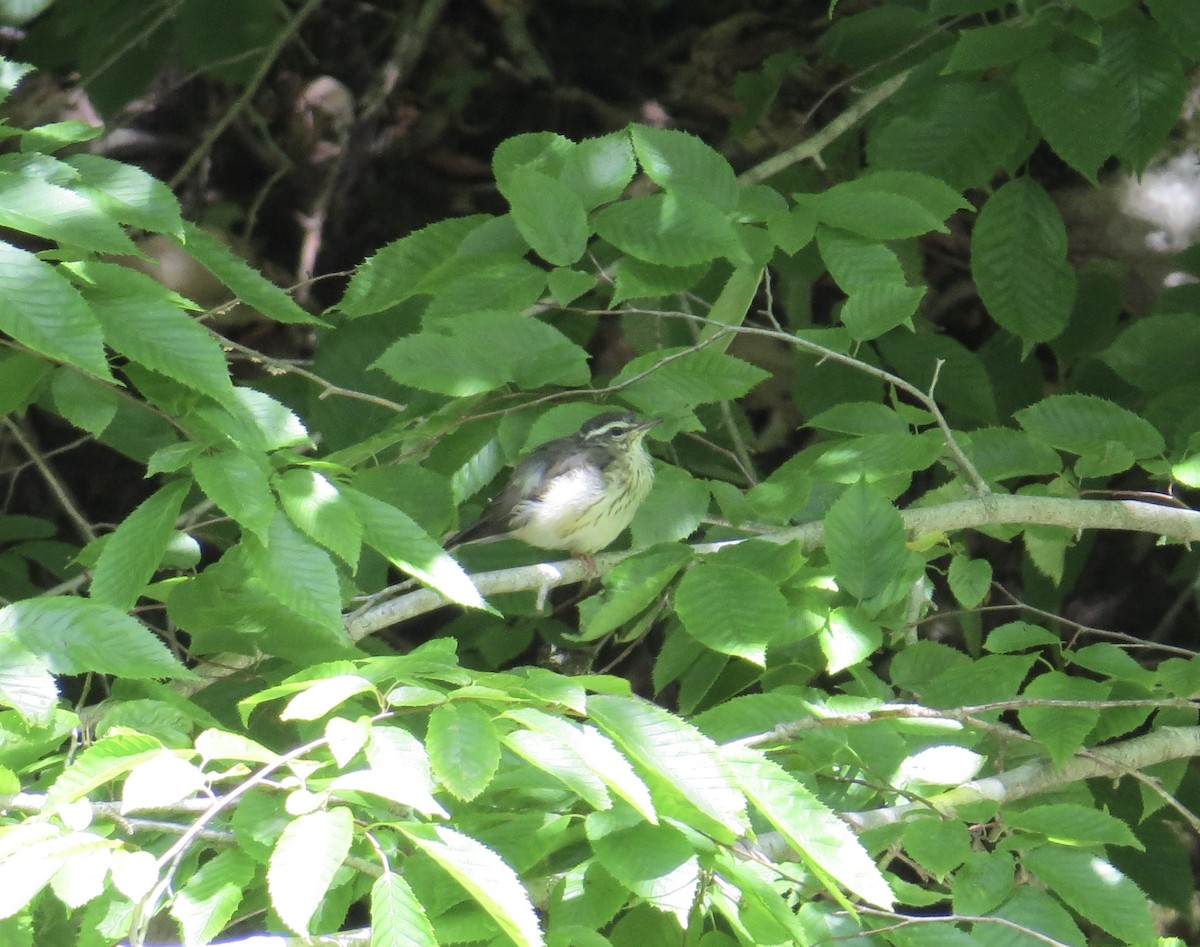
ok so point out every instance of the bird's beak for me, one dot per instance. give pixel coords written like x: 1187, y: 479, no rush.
x: 649, y: 423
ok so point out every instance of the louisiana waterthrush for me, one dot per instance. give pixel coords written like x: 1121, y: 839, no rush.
x: 575, y: 493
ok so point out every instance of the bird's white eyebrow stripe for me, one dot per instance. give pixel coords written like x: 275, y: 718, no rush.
x: 610, y: 428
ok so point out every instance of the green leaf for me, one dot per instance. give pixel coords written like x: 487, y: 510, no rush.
x: 160, y: 782
x: 856, y: 262
x: 255, y: 421
x: 142, y: 321
x: 484, y: 875
x: 670, y: 229
x: 1156, y: 352
x: 83, y: 876
x: 955, y: 130
x: 77, y: 636
x: 304, y: 861
x: 792, y: 231
x: 297, y: 574
x: 245, y: 282
x: 25, y: 683
x: 1088, y: 425
x: 970, y: 580
x: 35, y: 854
x: 237, y: 482
x: 685, y: 760
x: 81, y: 400
x: 562, y: 761
x: 484, y: 351
x: 1028, y: 908
x: 1072, y: 824
x: 992, y: 677
x: 11, y: 73
x: 656, y: 862
x: 938, y: 845
x: 108, y: 759
x: 1001, y: 453
x: 463, y: 748
x: 599, y: 169
x: 542, y: 151
x: 872, y: 309
x: 848, y: 638
x: 859, y: 417
x: 398, y: 771
x: 983, y: 882
x: 987, y: 47
x: 637, y: 279
x: 757, y: 89
x: 54, y: 136
x: 1149, y: 81
x: 1094, y: 888
x: 681, y: 163
x: 1047, y: 546
x: 699, y: 377
x: 1075, y: 106
x: 397, y: 917
x: 731, y: 610
x: 208, y: 899
x: 548, y: 214
x: 1177, y: 18
x: 44, y: 312
x: 1019, y: 261
x: 875, y: 456
x: 815, y: 832
x: 1061, y: 730
x: 36, y: 206
x: 673, y: 510
x: 127, y: 193
x: 396, y: 271
x: 24, y: 376
x: 134, y: 551
x: 963, y: 386
x: 403, y: 543
x: 865, y: 208
x: 317, y: 506
x: 509, y: 283
x: 598, y: 751
x: 321, y: 696
x: 1019, y: 636
x: 865, y: 540
x: 567, y: 285
x: 631, y: 586
x: 873, y: 34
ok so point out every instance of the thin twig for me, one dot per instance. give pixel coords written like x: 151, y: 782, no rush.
x: 811, y: 148
x: 1082, y: 629
x: 287, y: 367
x: 966, y: 468
x: 994, y: 509
x: 909, y: 920
x: 576, y: 393
x: 57, y: 487
x: 145, y: 909
x: 272, y: 52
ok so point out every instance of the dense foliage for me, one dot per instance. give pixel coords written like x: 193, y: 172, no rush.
x: 784, y: 714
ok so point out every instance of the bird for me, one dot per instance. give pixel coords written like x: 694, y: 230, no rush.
x: 576, y: 493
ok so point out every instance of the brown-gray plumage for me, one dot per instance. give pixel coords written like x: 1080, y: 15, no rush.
x: 575, y: 493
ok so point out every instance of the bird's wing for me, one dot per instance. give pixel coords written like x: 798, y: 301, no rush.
x: 496, y: 519
x: 595, y: 457
x: 528, y: 482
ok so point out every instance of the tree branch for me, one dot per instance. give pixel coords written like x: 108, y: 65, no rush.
x: 990, y: 510
x: 1040, y: 776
